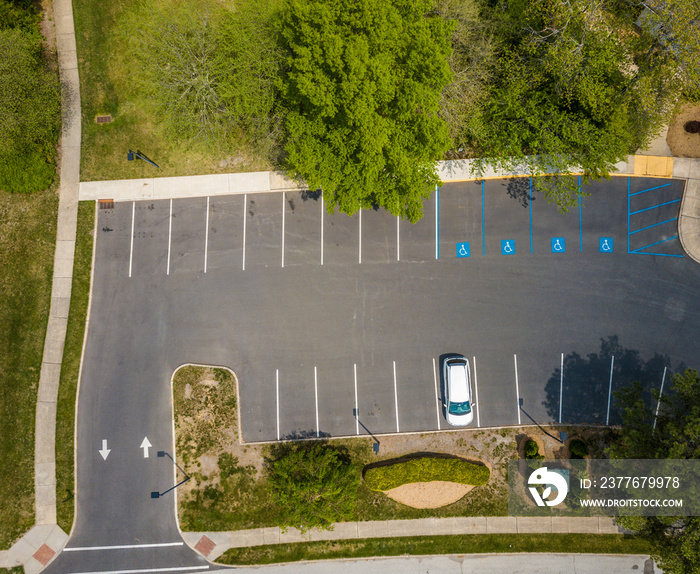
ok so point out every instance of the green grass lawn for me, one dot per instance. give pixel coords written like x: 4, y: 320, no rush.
x: 107, y: 85
x: 72, y: 351
x: 425, y: 545
x: 27, y: 242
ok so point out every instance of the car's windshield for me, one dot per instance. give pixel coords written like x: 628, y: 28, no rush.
x: 460, y: 408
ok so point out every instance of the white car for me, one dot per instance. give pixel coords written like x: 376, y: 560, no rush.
x: 457, y: 397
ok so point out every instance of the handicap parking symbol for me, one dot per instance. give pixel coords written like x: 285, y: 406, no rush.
x: 605, y: 244
x: 508, y: 246
x: 558, y: 245
x: 463, y: 249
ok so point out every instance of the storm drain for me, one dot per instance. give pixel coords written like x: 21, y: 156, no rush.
x: 105, y: 203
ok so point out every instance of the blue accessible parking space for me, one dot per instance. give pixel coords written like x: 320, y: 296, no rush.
x: 507, y: 213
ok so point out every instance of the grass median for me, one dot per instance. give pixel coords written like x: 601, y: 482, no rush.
x: 427, y: 545
x: 27, y: 243
x: 70, y: 368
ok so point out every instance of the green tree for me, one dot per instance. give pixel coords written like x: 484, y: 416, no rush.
x: 675, y: 541
x: 362, y: 86
x: 30, y: 113
x: 314, y: 484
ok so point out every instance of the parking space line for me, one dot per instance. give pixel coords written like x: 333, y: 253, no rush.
x: 561, y: 385
x: 517, y: 389
x: 131, y: 250
x: 206, y: 239
x: 316, y: 396
x: 661, y: 392
x: 476, y: 390
x: 170, y: 235
x: 277, y: 388
x: 655, y: 206
x: 245, y: 218
x: 397, y: 238
x: 529, y: 193
x: 322, y: 210
x: 653, y: 225
x: 359, y: 249
x: 396, y: 400
x: 283, y: 220
x: 657, y: 243
x: 650, y: 189
x: 612, y: 364
x: 437, y: 222
x: 357, y: 406
x: 437, y: 400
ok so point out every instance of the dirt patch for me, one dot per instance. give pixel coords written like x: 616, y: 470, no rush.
x: 428, y: 494
x: 682, y: 143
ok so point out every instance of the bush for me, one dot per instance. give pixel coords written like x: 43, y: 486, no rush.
x: 578, y: 448
x: 426, y: 469
x: 532, y: 451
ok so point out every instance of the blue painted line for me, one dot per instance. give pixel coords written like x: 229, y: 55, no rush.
x: 654, y: 225
x: 580, y: 227
x: 658, y: 254
x: 654, y: 206
x: 483, y: 216
x: 652, y: 244
x: 530, y: 202
x: 628, y: 215
x: 651, y: 189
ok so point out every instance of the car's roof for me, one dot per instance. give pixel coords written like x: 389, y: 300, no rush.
x: 457, y: 380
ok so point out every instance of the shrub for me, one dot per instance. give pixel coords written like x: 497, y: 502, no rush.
x: 426, y: 469
x: 578, y: 448
x: 532, y: 451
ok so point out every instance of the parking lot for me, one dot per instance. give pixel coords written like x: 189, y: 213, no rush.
x: 336, y: 325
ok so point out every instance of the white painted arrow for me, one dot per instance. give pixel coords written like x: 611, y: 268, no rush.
x: 145, y: 445
x: 105, y: 451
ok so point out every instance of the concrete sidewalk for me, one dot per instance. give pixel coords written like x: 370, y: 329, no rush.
x: 211, y: 545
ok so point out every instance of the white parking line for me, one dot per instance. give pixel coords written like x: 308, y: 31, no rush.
x: 397, y: 238
x: 517, y: 390
x: 123, y: 546
x: 131, y: 250
x: 437, y: 400
x: 206, y: 239
x: 170, y: 235
x: 357, y: 406
x: 277, y: 387
x: 359, y: 251
x: 612, y: 364
x: 316, y: 395
x: 283, y: 219
x: 396, y: 400
x: 245, y: 210
x: 147, y: 570
x: 322, y: 210
x: 561, y: 385
x: 661, y: 392
x: 476, y: 390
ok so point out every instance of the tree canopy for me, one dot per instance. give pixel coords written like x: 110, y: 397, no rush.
x: 361, y: 85
x: 675, y: 541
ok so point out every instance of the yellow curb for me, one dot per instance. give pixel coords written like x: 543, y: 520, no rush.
x: 654, y: 166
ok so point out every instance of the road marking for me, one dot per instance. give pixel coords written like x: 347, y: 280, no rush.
x: 131, y: 250
x: 396, y: 400
x: 580, y: 227
x: 612, y: 364
x: 517, y: 389
x: 437, y: 222
x: 173, y: 569
x: 483, y: 216
x: 661, y: 392
x: 124, y: 546
x: 170, y: 235
x: 558, y: 245
x: 476, y: 389
x: 437, y: 400
x: 245, y: 219
x: 359, y: 251
x: 561, y: 385
x: 507, y: 246
x: 277, y: 387
x: 104, y: 451
x: 322, y: 210
x: 357, y: 406
x: 145, y: 445
x: 283, y: 220
x: 206, y: 239
x: 316, y: 395
x: 397, y: 238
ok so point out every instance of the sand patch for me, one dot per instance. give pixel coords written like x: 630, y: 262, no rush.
x: 428, y: 494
